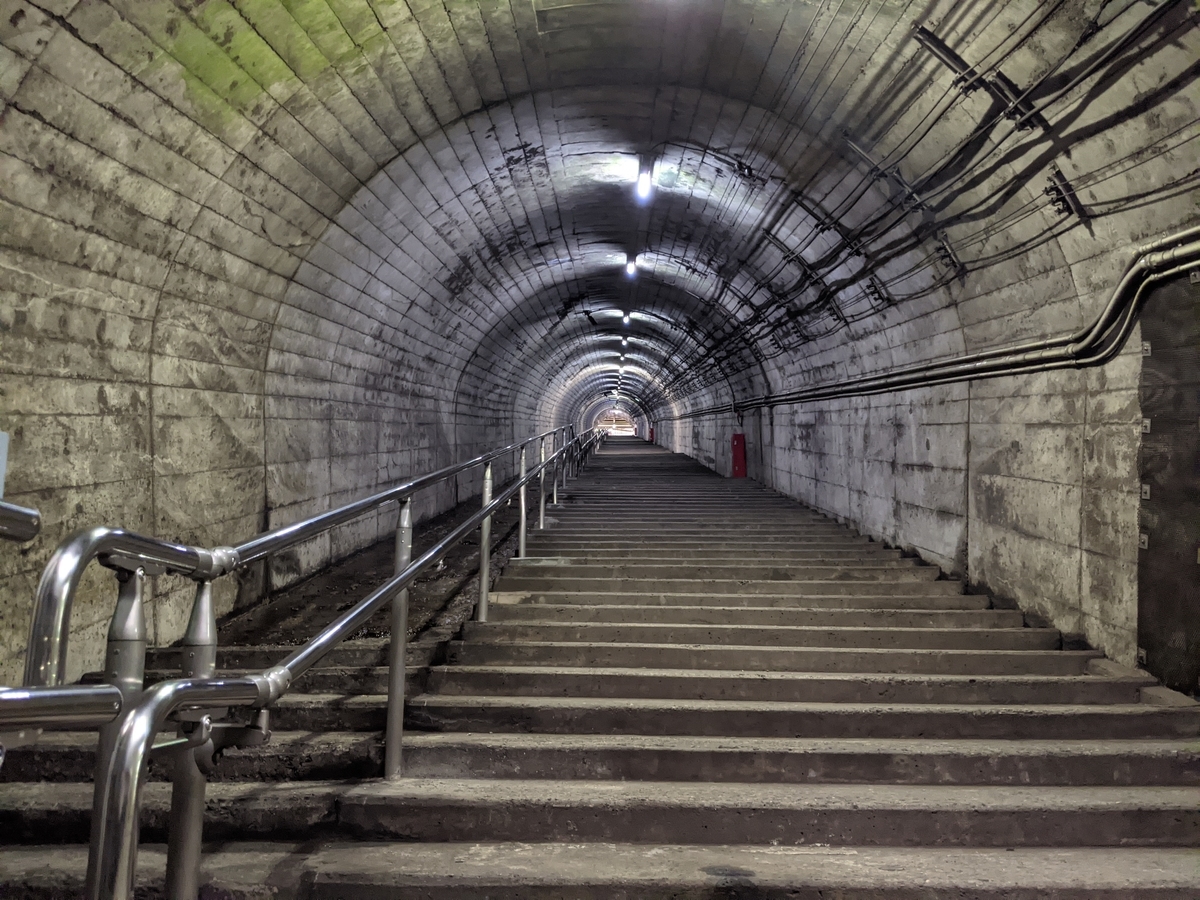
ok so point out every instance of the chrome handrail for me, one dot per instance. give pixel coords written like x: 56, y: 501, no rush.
x: 116, y: 815
x: 299, y: 532
x: 49, y: 634
x: 128, y: 718
x: 72, y: 706
x: 18, y: 523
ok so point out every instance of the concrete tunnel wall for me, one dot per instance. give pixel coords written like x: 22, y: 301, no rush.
x: 261, y: 258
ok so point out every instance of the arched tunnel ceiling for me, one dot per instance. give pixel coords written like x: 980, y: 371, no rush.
x: 831, y: 180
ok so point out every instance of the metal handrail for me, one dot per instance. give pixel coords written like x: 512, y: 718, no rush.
x: 299, y: 532
x: 18, y: 523
x: 49, y: 633
x: 72, y: 706
x: 115, y: 818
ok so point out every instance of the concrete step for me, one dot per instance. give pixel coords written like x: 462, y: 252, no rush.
x: 689, y: 518
x: 910, y: 581
x: 590, y: 715
x: 801, y: 535
x: 607, y: 871
x: 801, y: 760
x: 402, y: 870
x: 617, y: 540
x: 308, y: 756
x: 716, y: 555
x: 289, y: 756
x: 622, y: 528
x: 749, y: 615
x: 768, y: 636
x: 351, y: 654
x: 802, y: 687
x: 705, y: 569
x: 781, y: 659
x: 329, y: 679
x: 722, y: 684
x: 465, y: 810
x: 941, y: 595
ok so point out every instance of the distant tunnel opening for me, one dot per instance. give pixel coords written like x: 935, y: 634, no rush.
x: 616, y: 423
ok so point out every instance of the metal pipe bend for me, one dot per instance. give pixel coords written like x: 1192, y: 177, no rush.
x: 18, y: 523
x: 49, y: 632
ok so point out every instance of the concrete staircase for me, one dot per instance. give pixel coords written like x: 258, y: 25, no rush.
x: 692, y: 688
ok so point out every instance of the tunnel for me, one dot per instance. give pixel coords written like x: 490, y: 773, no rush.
x: 260, y: 258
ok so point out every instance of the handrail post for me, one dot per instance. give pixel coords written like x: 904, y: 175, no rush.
x: 398, y: 651
x: 522, y: 538
x: 124, y: 668
x: 188, y: 783
x: 554, y: 485
x: 542, y: 487
x: 485, y: 549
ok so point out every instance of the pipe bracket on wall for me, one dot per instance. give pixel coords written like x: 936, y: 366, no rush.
x: 1062, y: 195
x: 968, y: 79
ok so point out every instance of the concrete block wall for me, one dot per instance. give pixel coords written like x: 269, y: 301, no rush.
x: 244, y: 280
x: 1025, y: 486
x: 206, y: 328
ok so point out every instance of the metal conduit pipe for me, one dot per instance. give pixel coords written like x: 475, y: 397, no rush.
x: 111, y: 874
x: 1099, y: 358
x: 1152, y: 263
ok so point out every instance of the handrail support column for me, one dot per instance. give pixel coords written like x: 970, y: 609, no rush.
x: 188, y: 781
x: 485, y: 549
x: 523, y: 536
x: 124, y: 669
x: 398, y: 651
x: 542, y: 487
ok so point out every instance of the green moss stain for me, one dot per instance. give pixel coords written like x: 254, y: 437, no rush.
x: 207, y: 61
x: 285, y: 35
x: 323, y: 27
x: 244, y: 45
x: 234, y: 54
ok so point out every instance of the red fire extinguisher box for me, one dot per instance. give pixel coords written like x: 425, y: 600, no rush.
x: 739, y: 456
x: 652, y: 434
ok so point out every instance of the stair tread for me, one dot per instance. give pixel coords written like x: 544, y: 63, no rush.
x: 84, y: 740
x: 249, y: 870
x: 738, y: 871
x: 1025, y: 709
x: 1058, y: 654
x: 642, y: 794
x: 769, y: 675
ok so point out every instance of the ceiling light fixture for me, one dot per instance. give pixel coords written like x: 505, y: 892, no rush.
x: 625, y: 318
x: 631, y: 268
x: 643, y: 185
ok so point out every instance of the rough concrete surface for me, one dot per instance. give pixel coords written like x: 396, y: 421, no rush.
x: 258, y: 261
x: 536, y: 762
